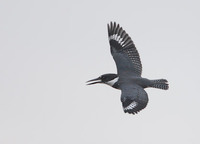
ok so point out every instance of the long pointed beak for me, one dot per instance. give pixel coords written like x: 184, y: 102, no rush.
x: 94, y: 81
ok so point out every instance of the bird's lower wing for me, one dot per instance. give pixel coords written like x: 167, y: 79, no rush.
x: 134, y: 98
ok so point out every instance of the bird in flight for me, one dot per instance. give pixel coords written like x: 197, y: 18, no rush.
x: 129, y: 69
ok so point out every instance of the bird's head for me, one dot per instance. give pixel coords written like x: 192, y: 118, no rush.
x: 109, y: 79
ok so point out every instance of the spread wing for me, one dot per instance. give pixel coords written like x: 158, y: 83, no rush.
x: 123, y: 51
x: 134, y: 98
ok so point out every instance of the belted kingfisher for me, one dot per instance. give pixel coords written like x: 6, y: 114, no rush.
x: 129, y: 69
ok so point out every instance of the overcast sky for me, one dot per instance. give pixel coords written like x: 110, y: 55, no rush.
x: 48, y: 49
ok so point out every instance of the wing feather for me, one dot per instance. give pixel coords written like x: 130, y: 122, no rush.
x: 123, y: 50
x: 134, y: 98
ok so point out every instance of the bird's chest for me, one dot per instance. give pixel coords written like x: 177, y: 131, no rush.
x: 116, y: 85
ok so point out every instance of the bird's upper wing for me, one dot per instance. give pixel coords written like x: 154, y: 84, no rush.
x: 134, y: 98
x: 123, y: 51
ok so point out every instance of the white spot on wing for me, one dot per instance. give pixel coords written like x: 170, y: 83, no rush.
x: 117, y: 38
x: 131, y: 106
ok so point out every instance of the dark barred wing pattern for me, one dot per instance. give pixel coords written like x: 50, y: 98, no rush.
x: 134, y: 98
x: 123, y: 50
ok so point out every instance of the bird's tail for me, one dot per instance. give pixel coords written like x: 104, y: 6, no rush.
x: 160, y: 84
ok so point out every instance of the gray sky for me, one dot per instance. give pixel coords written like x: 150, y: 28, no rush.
x: 48, y: 49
